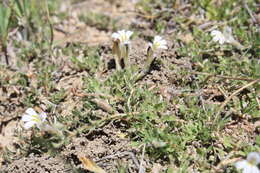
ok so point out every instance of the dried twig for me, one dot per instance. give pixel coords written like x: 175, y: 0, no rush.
x: 223, y: 77
x: 114, y: 156
x: 222, y: 91
x: 249, y: 12
x: 258, y: 102
x: 141, y: 168
x: 234, y: 94
x: 225, y: 162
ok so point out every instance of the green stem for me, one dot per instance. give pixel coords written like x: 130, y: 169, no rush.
x: 117, y: 61
x: 117, y: 54
x: 148, y: 65
x: 49, y: 21
x: 125, y: 54
x: 149, y: 59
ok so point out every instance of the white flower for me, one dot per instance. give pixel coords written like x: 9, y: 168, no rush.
x: 218, y: 36
x: 123, y: 36
x: 123, y: 48
x: 31, y: 118
x: 225, y: 37
x: 158, y: 43
x: 250, y: 164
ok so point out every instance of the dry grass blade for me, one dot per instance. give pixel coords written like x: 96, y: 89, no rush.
x: 90, y: 165
x: 103, y: 105
x: 249, y: 12
x: 224, y: 77
x: 141, y: 167
x: 224, y: 163
x: 235, y: 93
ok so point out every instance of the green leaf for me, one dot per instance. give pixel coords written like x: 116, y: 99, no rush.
x: 5, y: 13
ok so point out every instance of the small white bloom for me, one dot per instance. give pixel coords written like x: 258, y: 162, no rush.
x: 218, y: 36
x: 158, y: 43
x: 123, y: 36
x: 31, y: 118
x: 226, y: 37
x: 250, y: 164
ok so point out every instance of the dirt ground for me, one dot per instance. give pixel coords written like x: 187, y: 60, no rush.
x: 105, y: 145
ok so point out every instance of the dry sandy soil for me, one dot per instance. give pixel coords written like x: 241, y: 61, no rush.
x: 104, y: 145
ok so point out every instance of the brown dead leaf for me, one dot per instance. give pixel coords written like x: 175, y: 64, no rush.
x: 103, y: 104
x: 90, y: 165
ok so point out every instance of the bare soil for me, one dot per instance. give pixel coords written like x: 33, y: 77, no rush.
x: 104, y: 145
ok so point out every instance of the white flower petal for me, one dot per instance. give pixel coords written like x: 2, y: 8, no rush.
x: 129, y: 33
x: 254, y: 169
x: 26, y: 117
x: 253, y: 157
x: 115, y: 36
x: 29, y: 124
x: 215, y: 32
x: 158, y: 43
x: 215, y: 39
x: 163, y: 42
x: 163, y: 47
x: 157, y: 38
x: 31, y: 118
x: 30, y: 111
x: 251, y: 169
x: 247, y: 167
x: 122, y: 32
x: 241, y: 164
x: 123, y: 36
x: 221, y: 41
x: 43, y: 116
x: 218, y: 36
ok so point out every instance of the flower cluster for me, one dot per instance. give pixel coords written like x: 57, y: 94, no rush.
x: 121, y: 45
